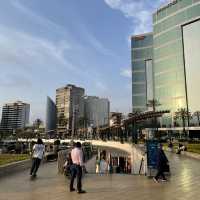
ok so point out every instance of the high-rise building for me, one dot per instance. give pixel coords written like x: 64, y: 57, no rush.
x: 176, y: 44
x: 70, y: 108
x: 15, y: 115
x: 50, y: 117
x: 142, y: 71
x: 96, y: 111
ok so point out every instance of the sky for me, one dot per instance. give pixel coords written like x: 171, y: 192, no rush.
x: 46, y: 44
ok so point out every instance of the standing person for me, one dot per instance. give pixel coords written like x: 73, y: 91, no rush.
x: 76, y: 168
x: 162, y: 162
x: 103, y: 165
x: 37, y: 155
x: 97, y: 165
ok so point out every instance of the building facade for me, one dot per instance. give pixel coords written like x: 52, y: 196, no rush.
x: 70, y: 109
x: 50, y: 117
x: 142, y: 74
x: 15, y: 115
x: 176, y: 44
x: 96, y: 111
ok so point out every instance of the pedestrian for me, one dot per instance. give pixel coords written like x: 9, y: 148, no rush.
x: 76, y: 168
x: 162, y: 164
x: 68, y: 165
x: 97, y: 165
x: 103, y: 165
x: 37, y: 155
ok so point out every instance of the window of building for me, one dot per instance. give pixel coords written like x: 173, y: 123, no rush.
x: 191, y: 39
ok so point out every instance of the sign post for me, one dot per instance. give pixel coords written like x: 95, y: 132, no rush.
x: 152, y: 151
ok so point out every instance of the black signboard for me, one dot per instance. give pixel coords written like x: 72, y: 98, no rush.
x: 152, y: 151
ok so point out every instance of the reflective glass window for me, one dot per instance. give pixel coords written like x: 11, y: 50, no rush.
x: 138, y: 65
x: 139, y: 100
x: 139, y: 89
x: 139, y: 77
x: 191, y: 37
x: 149, y: 80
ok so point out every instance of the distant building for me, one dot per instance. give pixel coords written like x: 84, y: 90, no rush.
x: 50, y: 117
x: 142, y: 70
x: 96, y: 111
x: 15, y: 115
x: 70, y: 108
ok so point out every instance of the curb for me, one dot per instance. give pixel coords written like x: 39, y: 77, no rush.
x: 15, y: 167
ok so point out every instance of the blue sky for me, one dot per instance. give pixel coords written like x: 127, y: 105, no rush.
x: 46, y: 44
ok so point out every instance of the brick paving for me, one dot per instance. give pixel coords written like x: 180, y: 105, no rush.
x: 183, y: 184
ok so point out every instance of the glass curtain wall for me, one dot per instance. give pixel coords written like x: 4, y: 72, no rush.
x: 169, y: 71
x: 191, y: 39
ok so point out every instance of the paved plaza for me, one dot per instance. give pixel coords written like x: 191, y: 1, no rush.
x: 183, y: 184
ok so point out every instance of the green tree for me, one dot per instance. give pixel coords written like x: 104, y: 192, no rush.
x: 197, y: 114
x: 37, y: 123
x: 184, y: 115
x: 153, y: 104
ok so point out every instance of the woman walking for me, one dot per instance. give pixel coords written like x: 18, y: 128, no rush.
x: 162, y: 164
x: 37, y: 155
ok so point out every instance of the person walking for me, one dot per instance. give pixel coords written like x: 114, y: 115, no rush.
x: 76, y: 168
x: 97, y: 165
x: 162, y: 163
x: 103, y: 166
x: 37, y: 155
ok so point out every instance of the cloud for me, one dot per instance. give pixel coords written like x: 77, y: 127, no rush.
x: 101, y: 86
x: 139, y: 11
x: 126, y: 72
x: 48, y: 24
x: 28, y: 51
x: 15, y: 80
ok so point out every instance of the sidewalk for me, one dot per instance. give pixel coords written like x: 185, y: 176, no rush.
x: 183, y: 185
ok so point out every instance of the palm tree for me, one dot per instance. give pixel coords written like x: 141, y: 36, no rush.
x: 184, y: 115
x: 153, y: 104
x: 197, y: 114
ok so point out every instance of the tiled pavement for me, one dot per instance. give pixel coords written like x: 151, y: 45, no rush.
x: 184, y: 184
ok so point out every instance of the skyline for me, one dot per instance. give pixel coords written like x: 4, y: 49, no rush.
x: 46, y: 45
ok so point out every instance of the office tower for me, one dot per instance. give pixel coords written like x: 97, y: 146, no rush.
x: 15, y: 115
x: 142, y: 71
x: 96, y: 111
x: 176, y: 44
x: 70, y: 109
x: 50, y: 117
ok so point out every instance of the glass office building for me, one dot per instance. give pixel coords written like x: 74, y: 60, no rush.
x: 142, y: 54
x: 176, y: 49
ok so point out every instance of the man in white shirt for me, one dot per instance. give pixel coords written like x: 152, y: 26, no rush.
x: 38, y: 152
x: 76, y: 168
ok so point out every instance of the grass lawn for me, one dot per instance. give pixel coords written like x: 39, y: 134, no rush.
x: 194, y: 148
x: 9, y: 158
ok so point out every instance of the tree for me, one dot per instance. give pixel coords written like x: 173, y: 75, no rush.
x: 37, y: 123
x: 153, y: 104
x: 197, y: 114
x: 184, y: 115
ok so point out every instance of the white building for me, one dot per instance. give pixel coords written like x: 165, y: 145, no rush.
x: 15, y: 115
x: 96, y: 111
